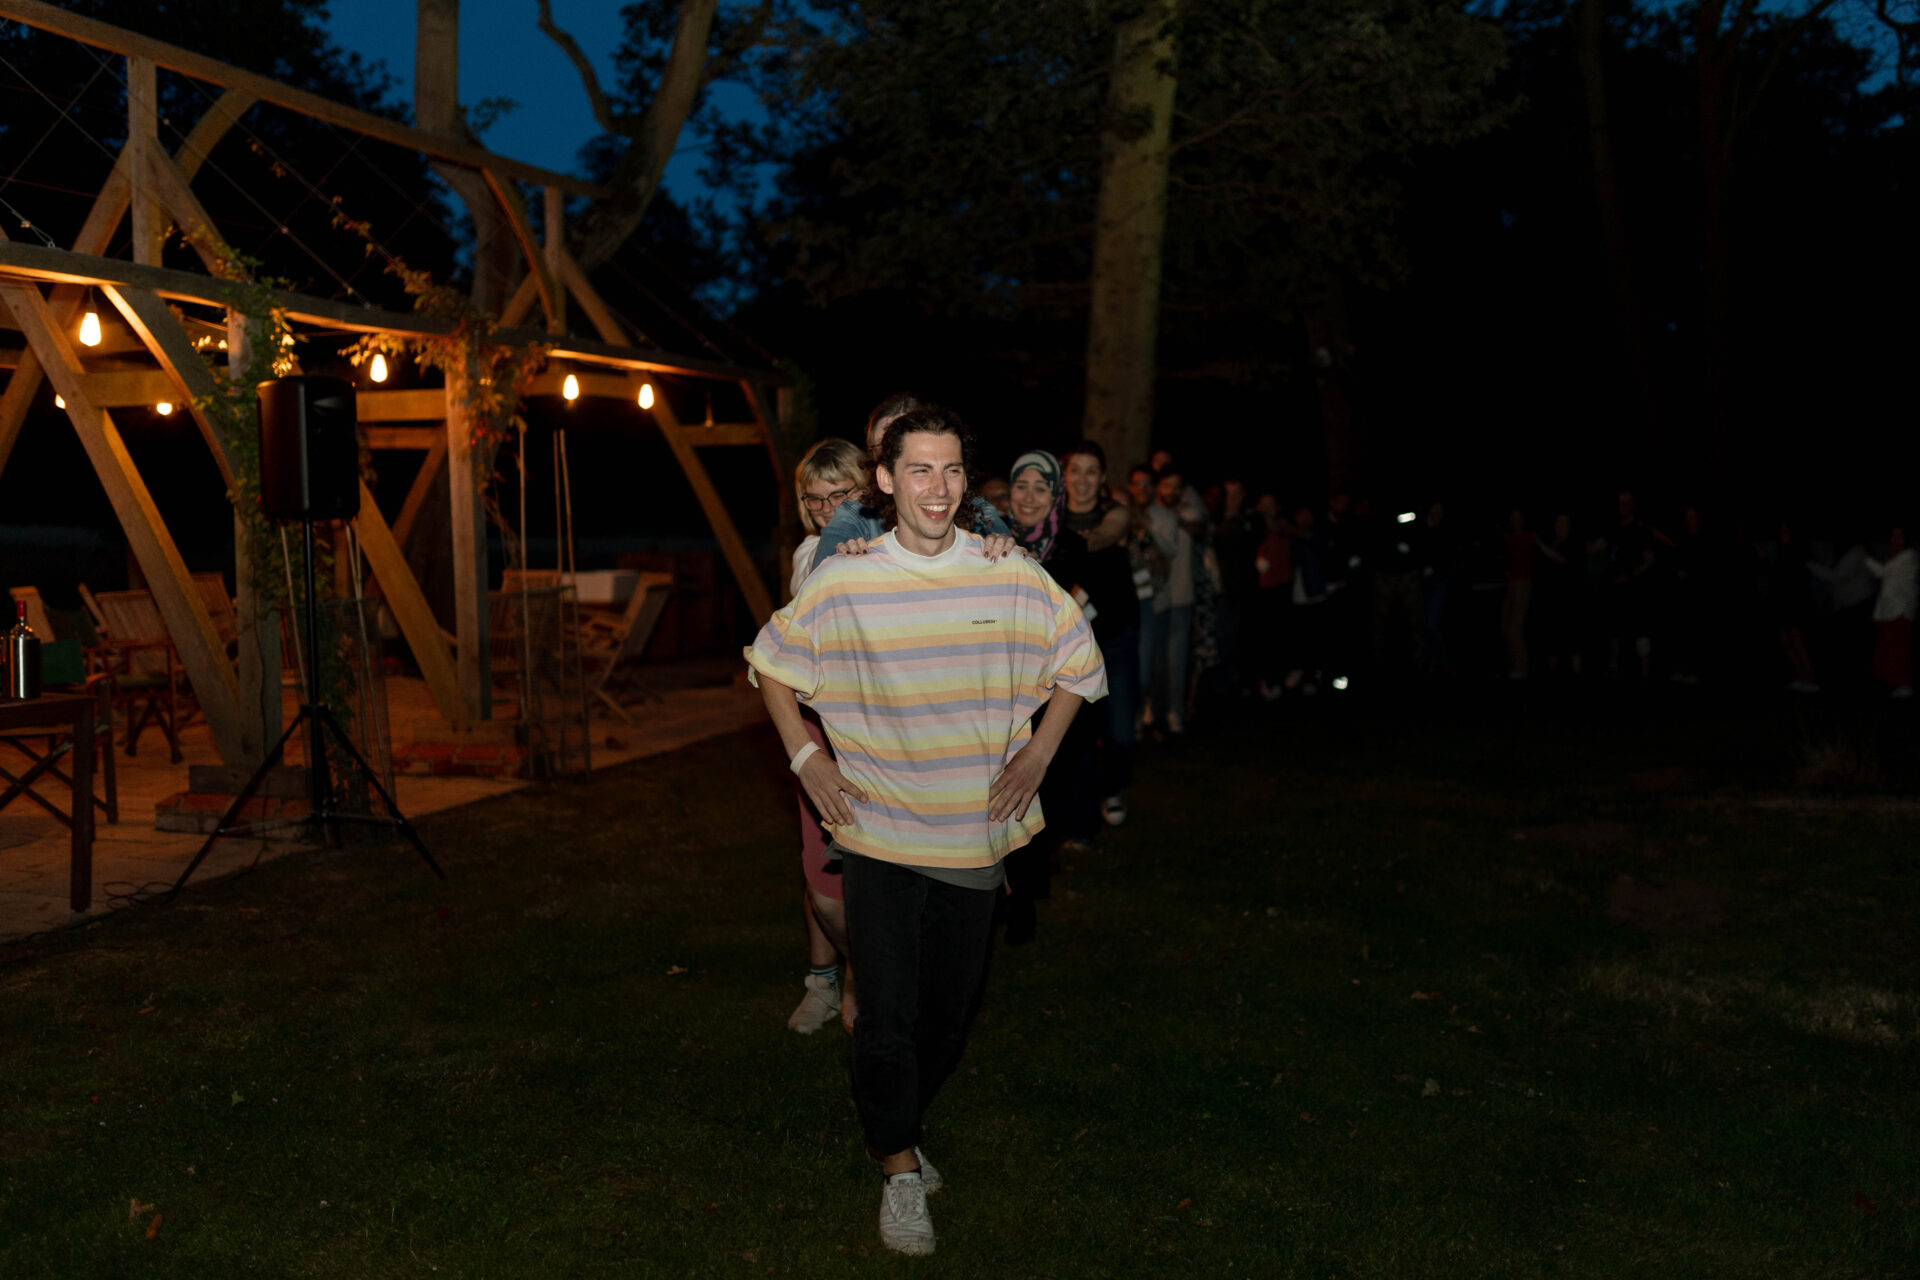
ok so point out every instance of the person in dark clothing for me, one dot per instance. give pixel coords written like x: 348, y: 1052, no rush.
x: 1562, y: 592
x: 1236, y: 547
x: 1396, y: 591
x: 1631, y: 560
x: 1790, y: 602
x: 1091, y: 561
x: 1440, y: 561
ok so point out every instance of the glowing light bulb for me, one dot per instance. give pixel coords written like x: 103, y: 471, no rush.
x: 1405, y: 517
x: 378, y: 370
x: 59, y: 402
x: 1340, y: 682
x: 570, y: 389
x: 164, y: 408
x: 646, y: 395
x: 90, y: 329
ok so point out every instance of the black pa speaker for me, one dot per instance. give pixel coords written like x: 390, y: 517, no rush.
x: 309, y: 449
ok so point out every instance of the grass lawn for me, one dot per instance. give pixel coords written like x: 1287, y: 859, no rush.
x: 1476, y: 993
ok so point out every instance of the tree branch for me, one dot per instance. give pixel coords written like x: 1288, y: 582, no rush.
x: 603, y: 111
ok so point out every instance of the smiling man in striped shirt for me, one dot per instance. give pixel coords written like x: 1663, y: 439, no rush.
x: 925, y: 662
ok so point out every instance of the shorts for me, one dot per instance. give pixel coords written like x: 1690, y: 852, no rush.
x: 822, y: 873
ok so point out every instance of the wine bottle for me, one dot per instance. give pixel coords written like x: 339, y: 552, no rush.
x: 23, y: 657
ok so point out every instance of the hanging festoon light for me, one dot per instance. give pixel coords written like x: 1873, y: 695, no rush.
x: 90, y: 324
x: 164, y: 408
x: 378, y: 369
x: 646, y: 395
x: 59, y: 402
x: 570, y: 389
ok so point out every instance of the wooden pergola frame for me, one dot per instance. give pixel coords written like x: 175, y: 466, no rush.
x: 41, y: 290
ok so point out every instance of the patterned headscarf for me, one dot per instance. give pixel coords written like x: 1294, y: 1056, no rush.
x: 1040, y: 538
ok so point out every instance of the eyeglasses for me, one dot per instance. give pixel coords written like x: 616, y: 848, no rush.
x: 829, y: 502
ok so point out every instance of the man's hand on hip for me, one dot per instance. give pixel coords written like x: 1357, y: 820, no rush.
x: 827, y: 787
x: 1013, y: 791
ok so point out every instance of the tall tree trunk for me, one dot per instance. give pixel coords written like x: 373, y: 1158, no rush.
x: 436, y: 109
x: 1130, y: 224
x: 1590, y: 17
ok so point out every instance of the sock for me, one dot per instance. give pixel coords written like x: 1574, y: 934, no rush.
x: 889, y: 1177
x: 830, y: 972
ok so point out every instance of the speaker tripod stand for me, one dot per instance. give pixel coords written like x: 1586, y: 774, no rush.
x: 324, y: 814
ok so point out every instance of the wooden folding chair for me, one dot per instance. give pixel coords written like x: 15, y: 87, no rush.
x: 226, y: 621
x: 63, y: 667
x: 139, y: 656
x: 610, y: 643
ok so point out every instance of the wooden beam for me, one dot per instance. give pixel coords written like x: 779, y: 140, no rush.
x: 35, y: 262
x: 746, y: 574
x: 180, y: 365
x: 195, y: 223
x: 405, y: 437
x: 590, y: 302
x: 472, y: 653
x: 423, y: 480
x: 508, y: 199
x: 143, y: 138
x: 141, y: 389
x: 95, y: 234
x: 210, y: 128
x: 105, y: 36
x: 410, y: 610
x: 522, y: 300
x: 426, y: 404
x: 201, y: 653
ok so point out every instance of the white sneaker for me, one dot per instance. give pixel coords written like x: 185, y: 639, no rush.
x: 929, y: 1175
x: 817, y: 1008
x: 1114, y: 810
x: 905, y: 1226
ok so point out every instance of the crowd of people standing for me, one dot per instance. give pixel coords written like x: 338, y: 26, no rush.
x: 1013, y: 639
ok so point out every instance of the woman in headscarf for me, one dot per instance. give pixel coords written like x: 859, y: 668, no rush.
x: 1069, y: 796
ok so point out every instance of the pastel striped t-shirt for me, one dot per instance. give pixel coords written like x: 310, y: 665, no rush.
x: 925, y: 671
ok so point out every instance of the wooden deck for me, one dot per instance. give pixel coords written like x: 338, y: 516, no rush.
x: 132, y: 855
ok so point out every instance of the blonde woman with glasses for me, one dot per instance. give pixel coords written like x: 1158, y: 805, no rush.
x: 830, y: 473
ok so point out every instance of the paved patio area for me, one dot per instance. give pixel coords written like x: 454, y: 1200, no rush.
x: 131, y: 855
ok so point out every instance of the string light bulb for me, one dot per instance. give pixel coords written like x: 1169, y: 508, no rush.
x: 378, y: 370
x: 164, y: 408
x: 570, y: 389
x: 59, y: 402
x: 90, y: 328
x: 646, y: 395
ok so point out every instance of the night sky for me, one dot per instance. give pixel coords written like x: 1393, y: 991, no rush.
x: 504, y: 55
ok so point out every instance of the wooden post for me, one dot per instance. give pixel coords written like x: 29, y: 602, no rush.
x: 143, y: 135
x: 260, y: 656
x: 472, y: 661
x: 201, y: 655
x: 555, y: 251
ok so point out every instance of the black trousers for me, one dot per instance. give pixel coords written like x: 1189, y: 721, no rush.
x: 920, y: 948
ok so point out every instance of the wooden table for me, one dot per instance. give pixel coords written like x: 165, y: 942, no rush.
x: 55, y: 714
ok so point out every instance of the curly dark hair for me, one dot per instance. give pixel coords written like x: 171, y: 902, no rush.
x: 936, y: 420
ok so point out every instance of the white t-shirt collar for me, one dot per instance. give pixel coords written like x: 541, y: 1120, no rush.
x: 953, y: 550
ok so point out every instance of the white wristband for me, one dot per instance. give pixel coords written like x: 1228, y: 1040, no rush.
x: 801, y: 756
